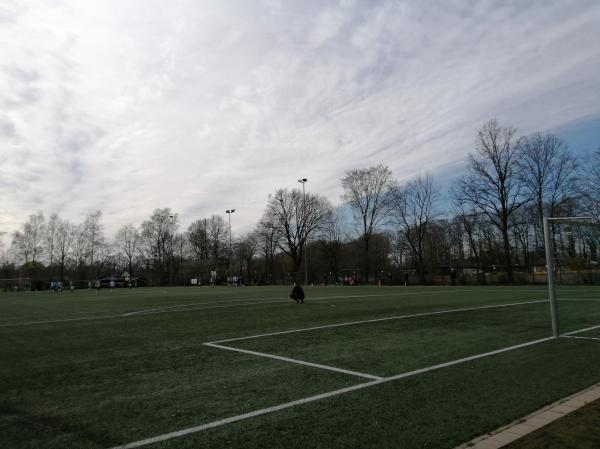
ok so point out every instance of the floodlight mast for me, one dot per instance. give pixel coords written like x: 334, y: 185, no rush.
x: 550, y: 261
x: 303, y: 181
x: 171, y: 219
x: 229, y: 212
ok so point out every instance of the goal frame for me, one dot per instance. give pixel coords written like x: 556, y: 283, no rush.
x: 584, y: 221
x: 18, y: 281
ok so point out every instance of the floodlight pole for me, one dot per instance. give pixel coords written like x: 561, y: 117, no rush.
x: 550, y: 274
x: 229, y: 212
x: 171, y: 217
x: 303, y: 181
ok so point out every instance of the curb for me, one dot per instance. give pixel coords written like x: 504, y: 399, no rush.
x: 515, y: 430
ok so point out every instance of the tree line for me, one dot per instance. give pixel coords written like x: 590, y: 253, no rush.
x: 490, y: 220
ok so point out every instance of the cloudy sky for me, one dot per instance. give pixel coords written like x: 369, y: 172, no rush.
x: 130, y: 105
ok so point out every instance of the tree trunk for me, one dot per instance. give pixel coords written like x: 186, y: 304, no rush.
x: 507, y: 257
x: 366, y: 239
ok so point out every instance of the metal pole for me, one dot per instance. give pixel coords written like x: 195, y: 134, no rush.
x: 306, y: 241
x: 303, y: 181
x: 229, y: 212
x: 171, y: 264
x: 550, y: 273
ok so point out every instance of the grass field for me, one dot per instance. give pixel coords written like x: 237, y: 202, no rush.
x: 363, y: 367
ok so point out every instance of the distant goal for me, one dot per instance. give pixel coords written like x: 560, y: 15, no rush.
x: 15, y: 285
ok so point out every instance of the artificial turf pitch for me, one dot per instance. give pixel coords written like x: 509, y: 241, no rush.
x: 85, y: 371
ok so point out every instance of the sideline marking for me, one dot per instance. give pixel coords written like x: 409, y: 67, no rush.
x: 279, y: 301
x: 29, y: 323
x: 580, y: 331
x: 251, y: 301
x: 286, y: 405
x: 578, y: 336
x: 299, y: 362
x: 398, y: 317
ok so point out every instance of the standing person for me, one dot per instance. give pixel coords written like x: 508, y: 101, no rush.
x: 71, y: 286
x: 112, y: 285
x: 297, y: 294
x: 89, y: 285
x: 97, y: 285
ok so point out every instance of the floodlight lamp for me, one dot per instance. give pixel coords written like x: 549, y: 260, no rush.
x: 302, y: 180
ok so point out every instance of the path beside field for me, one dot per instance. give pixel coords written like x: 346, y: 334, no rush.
x: 507, y: 434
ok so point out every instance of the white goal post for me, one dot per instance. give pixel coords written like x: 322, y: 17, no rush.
x: 550, y: 268
x: 15, y: 284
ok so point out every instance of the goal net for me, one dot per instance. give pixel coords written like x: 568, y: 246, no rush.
x: 15, y: 285
x: 573, y: 275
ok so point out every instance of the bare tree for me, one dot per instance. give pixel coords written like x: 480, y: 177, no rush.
x: 332, y: 240
x: 368, y: 192
x: 549, y: 174
x: 28, y: 243
x: 127, y: 242
x: 218, y: 233
x: 267, y: 242
x: 79, y: 249
x: 591, y: 186
x: 64, y: 239
x: 51, y: 230
x: 416, y: 207
x: 93, y: 233
x: 493, y: 184
x: 197, y: 235
x: 295, y: 218
x: 245, y: 250
x: 156, y: 240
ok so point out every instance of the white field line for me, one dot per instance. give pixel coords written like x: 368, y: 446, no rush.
x: 280, y: 302
x: 578, y: 336
x: 286, y: 405
x: 317, y: 298
x: 398, y: 317
x: 178, y: 306
x: 580, y: 331
x: 270, y: 300
x: 299, y: 362
x: 252, y: 301
x: 65, y: 320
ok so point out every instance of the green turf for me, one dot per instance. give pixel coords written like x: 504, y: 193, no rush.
x: 131, y: 365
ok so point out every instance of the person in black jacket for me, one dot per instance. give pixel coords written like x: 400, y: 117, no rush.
x: 297, y: 294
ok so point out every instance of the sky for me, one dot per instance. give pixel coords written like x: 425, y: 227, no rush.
x: 201, y: 106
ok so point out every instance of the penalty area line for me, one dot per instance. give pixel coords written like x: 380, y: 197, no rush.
x: 375, y: 320
x: 287, y: 405
x: 296, y: 361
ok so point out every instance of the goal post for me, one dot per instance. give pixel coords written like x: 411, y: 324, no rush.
x: 15, y: 284
x: 551, y: 257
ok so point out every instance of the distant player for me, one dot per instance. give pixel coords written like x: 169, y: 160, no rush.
x: 97, y: 285
x: 71, y: 286
x: 297, y: 294
x: 112, y: 285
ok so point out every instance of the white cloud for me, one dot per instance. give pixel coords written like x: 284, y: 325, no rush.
x: 203, y: 106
